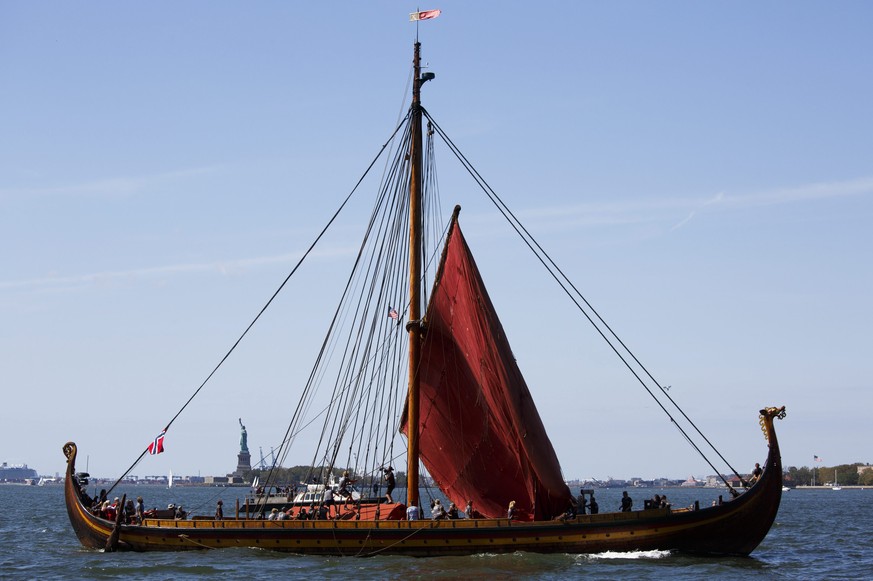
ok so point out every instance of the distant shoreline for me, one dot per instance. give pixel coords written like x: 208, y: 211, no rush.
x: 849, y: 487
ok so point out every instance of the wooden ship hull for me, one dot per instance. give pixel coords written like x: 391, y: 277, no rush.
x: 733, y: 528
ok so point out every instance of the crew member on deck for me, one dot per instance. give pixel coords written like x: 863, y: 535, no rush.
x: 344, y: 482
x: 129, y: 511
x: 390, y: 482
x: 112, y: 509
x: 580, y: 502
x: 570, y: 513
x: 453, y: 511
x: 756, y: 474
x: 627, y: 502
x: 328, y: 500
x: 439, y: 513
x: 653, y: 503
x: 138, y: 510
x: 98, y: 503
x: 593, y: 506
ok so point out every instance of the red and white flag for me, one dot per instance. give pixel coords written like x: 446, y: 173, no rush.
x: 816, y: 458
x: 424, y: 15
x: 392, y: 313
x: 157, y: 446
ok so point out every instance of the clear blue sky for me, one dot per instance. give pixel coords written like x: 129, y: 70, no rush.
x: 703, y: 172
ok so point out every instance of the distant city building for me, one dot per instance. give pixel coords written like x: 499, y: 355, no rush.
x: 222, y: 480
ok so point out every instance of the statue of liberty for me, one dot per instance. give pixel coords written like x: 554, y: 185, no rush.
x: 243, y: 438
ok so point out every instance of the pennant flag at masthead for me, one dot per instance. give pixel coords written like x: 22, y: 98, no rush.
x: 424, y: 15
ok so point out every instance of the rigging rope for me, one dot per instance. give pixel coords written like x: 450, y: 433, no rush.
x: 366, y: 362
x: 270, y: 301
x: 552, y: 268
x: 371, y: 355
x: 336, y: 423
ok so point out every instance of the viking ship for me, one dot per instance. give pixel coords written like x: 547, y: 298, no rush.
x: 447, y: 380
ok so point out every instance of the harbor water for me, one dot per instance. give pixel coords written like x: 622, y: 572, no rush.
x: 818, y: 534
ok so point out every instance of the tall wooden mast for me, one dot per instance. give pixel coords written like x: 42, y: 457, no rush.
x: 415, y: 187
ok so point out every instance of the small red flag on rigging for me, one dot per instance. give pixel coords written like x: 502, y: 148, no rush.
x: 424, y: 15
x: 392, y: 313
x: 157, y: 446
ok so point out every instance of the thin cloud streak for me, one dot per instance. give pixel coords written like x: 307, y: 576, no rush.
x: 817, y: 191
x: 118, y: 186
x: 718, y: 198
x: 222, y: 267
x: 642, y: 210
x: 617, y: 213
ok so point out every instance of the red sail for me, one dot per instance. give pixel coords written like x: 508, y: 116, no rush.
x: 481, y: 437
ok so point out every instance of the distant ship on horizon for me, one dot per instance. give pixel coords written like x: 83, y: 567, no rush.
x: 17, y: 473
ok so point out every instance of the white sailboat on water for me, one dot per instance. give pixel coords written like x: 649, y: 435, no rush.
x: 836, y: 485
x: 170, y: 479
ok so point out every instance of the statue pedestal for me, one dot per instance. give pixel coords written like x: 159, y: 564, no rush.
x: 243, y: 464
